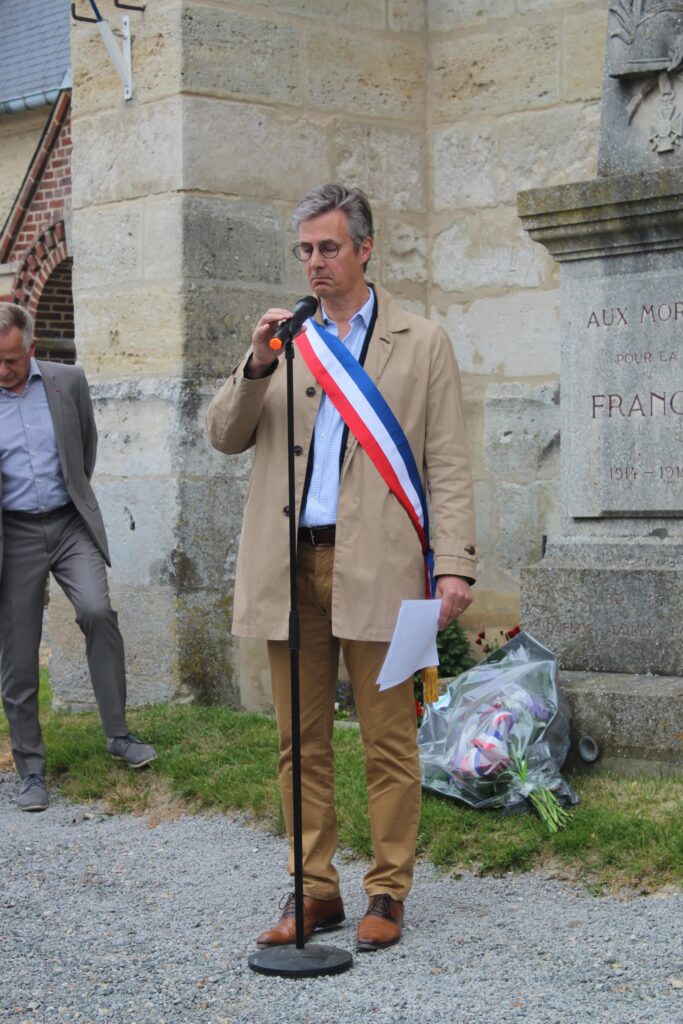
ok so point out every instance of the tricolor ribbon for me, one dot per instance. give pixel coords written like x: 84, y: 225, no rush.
x: 368, y: 416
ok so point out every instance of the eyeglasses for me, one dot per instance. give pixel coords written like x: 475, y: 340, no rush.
x: 329, y: 249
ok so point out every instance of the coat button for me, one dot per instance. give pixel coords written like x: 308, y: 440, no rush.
x: 310, y: 391
x: 471, y: 550
x: 285, y: 510
x: 298, y: 450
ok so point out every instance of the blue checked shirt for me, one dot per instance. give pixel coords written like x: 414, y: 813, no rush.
x: 32, y: 479
x: 323, y: 490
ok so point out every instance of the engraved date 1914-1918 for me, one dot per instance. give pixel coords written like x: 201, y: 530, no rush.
x: 627, y: 473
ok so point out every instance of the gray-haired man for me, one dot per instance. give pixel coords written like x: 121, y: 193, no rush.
x: 51, y: 522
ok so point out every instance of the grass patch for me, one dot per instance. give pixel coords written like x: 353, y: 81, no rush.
x: 626, y: 834
x: 209, y: 759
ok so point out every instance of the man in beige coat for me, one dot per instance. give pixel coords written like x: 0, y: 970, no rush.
x: 358, y: 555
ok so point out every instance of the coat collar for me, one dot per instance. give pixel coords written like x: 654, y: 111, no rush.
x: 390, y: 324
x: 390, y: 317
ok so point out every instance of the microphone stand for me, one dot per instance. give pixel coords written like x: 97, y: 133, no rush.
x: 298, y: 961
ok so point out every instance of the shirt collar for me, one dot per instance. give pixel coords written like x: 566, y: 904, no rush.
x: 365, y: 312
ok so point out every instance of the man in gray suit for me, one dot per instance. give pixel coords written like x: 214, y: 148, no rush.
x: 51, y: 522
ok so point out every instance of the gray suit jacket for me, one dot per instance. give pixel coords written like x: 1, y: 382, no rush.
x: 72, y: 415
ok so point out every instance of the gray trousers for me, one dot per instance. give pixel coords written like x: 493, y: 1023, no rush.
x: 33, y: 549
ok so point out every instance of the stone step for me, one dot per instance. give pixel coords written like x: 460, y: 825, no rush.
x: 635, y: 721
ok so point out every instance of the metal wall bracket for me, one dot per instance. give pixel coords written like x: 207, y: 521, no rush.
x: 121, y: 57
x: 80, y: 17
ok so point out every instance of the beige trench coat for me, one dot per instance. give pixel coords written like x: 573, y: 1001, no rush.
x: 378, y: 561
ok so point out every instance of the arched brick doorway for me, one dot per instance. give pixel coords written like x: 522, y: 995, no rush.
x: 54, y: 316
x: 43, y: 285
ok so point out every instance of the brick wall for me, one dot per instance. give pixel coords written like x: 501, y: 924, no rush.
x: 47, y: 206
x: 35, y: 237
x: 55, y: 331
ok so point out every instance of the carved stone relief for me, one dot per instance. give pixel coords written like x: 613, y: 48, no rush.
x: 652, y: 33
x: 646, y: 55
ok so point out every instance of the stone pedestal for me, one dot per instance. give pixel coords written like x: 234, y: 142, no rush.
x: 610, y: 589
x: 634, y: 720
x: 608, y: 595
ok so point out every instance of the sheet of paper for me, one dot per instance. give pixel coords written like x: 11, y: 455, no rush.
x: 413, y: 644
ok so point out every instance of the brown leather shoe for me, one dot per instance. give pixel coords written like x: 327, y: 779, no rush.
x: 318, y: 915
x: 381, y: 925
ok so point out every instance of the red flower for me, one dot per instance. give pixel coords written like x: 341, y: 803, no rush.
x: 419, y: 709
x: 513, y: 632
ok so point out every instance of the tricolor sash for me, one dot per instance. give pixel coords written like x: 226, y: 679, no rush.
x: 368, y: 416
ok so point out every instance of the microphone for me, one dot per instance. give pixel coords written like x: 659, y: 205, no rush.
x: 288, y: 329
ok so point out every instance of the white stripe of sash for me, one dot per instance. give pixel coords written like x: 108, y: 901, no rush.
x: 365, y: 410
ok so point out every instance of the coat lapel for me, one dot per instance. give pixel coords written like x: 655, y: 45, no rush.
x: 388, y: 327
x: 53, y: 393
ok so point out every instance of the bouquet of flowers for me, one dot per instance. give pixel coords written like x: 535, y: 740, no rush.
x: 500, y: 734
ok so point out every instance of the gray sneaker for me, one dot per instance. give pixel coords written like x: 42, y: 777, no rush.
x: 33, y: 794
x: 131, y: 750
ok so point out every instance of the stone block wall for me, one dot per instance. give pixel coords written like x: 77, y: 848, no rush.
x: 130, y: 291
x: 514, y: 89
x: 441, y: 110
x: 280, y: 97
x: 49, y: 203
x: 19, y: 135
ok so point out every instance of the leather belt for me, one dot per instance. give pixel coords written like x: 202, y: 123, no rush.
x: 38, y: 517
x: 317, y: 536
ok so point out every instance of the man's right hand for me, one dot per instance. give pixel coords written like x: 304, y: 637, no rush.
x: 263, y: 356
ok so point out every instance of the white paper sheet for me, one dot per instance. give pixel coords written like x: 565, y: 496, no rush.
x: 413, y: 644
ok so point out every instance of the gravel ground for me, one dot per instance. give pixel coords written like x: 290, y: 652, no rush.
x: 107, y: 919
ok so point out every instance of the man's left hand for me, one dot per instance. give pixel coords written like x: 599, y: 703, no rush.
x: 456, y: 596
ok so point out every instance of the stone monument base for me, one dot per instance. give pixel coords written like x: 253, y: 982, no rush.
x: 611, y: 609
x: 635, y: 721
x: 609, y: 604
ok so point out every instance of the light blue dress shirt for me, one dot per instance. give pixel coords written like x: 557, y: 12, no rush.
x: 323, y: 490
x: 32, y: 479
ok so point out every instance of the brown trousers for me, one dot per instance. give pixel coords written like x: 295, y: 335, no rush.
x: 388, y: 728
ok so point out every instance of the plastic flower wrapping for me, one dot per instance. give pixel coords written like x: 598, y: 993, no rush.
x: 500, y: 734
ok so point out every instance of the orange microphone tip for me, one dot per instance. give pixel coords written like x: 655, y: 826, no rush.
x: 275, y: 344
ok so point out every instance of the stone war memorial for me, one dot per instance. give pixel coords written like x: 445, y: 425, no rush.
x: 608, y: 595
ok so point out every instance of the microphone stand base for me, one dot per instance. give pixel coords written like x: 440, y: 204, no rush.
x: 310, y: 962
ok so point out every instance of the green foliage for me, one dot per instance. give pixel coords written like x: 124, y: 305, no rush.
x: 455, y: 656
x: 44, y: 691
x: 549, y: 809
